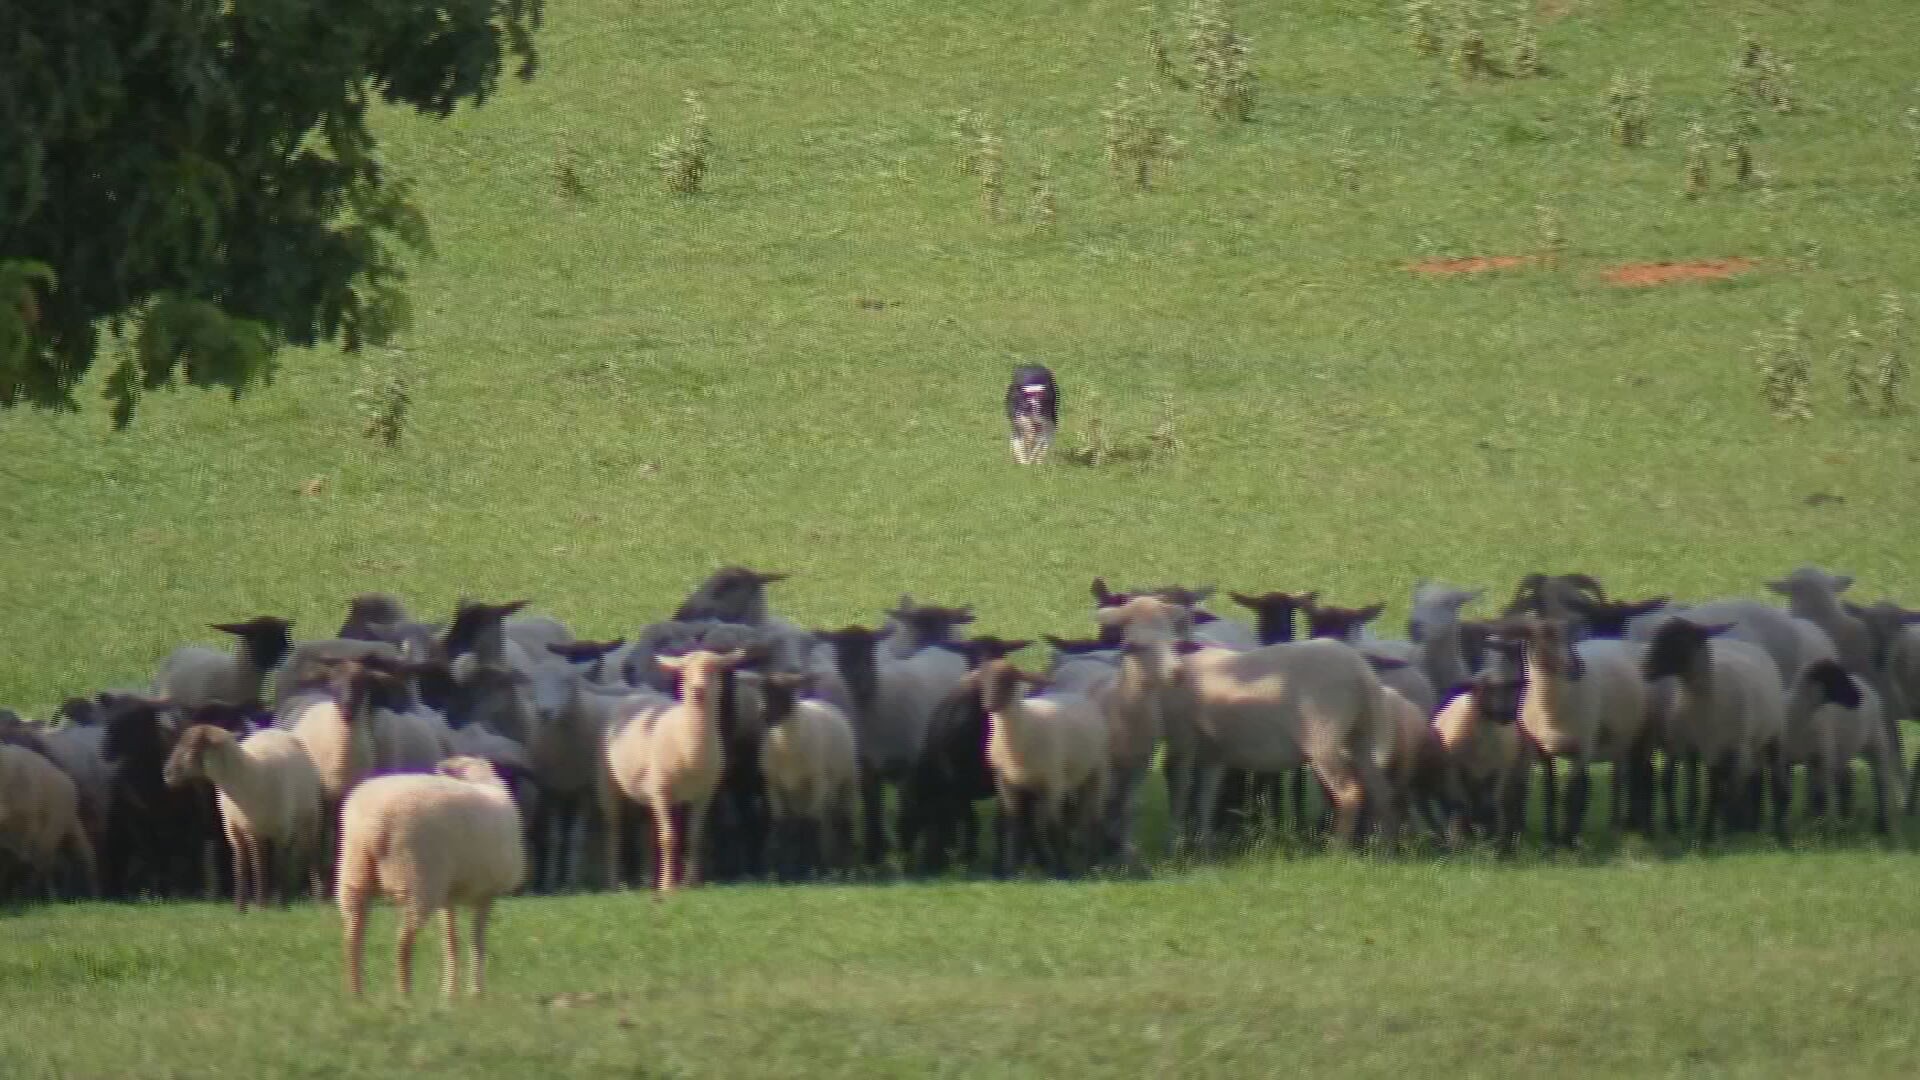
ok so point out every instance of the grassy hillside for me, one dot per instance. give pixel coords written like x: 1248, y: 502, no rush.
x: 800, y: 368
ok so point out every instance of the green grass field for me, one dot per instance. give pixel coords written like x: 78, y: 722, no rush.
x: 800, y: 369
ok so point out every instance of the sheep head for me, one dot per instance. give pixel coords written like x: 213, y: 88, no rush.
x: 585, y: 652
x: 1000, y: 683
x: 1833, y: 683
x: 1811, y: 581
x: 854, y: 656
x: 1547, y: 640
x: 734, y: 594
x: 475, y: 624
x: 1609, y: 618
x: 779, y: 692
x: 1274, y: 613
x: 367, y: 611
x: 1679, y: 647
x: 1436, y: 602
x: 188, y: 759
x: 1340, y: 623
x: 265, y: 640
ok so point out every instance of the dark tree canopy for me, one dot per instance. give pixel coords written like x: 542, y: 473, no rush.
x: 194, y: 179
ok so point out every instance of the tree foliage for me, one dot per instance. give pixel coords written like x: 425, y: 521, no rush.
x: 187, y: 185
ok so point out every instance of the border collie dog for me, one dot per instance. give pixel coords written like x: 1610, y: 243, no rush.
x: 1033, y: 411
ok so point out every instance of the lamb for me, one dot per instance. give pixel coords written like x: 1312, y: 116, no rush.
x: 1269, y: 709
x: 270, y: 804
x: 1842, y: 713
x: 192, y: 675
x: 1135, y: 701
x: 40, y: 817
x: 329, y: 719
x: 1728, y: 710
x: 1813, y: 594
x: 668, y: 757
x: 430, y: 843
x: 1049, y: 759
x: 1484, y: 758
x: 1585, y: 702
x: 812, y: 768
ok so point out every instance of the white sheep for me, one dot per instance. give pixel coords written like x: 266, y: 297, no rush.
x: 40, y: 816
x: 1587, y: 702
x: 1135, y: 702
x: 193, y: 675
x: 429, y: 842
x: 1317, y: 701
x: 667, y: 756
x: 1813, y: 594
x: 270, y: 803
x: 811, y: 764
x: 1728, y: 710
x: 1049, y: 758
x: 1433, y: 626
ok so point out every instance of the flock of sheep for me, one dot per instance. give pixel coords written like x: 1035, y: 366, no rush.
x: 446, y: 765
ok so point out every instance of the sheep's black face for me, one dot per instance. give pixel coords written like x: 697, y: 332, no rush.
x: 266, y: 639
x: 1673, y: 649
x: 854, y: 657
x: 1835, y: 684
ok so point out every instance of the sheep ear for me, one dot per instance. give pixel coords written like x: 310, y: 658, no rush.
x: 1715, y: 629
x: 769, y: 577
x: 1201, y: 595
x: 1370, y: 612
x: 1243, y: 600
x: 732, y: 658
x: 1841, y: 582
x: 1385, y: 663
x: 1101, y: 594
x: 671, y: 663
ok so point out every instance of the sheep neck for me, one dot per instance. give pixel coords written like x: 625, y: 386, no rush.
x: 1816, y: 605
x: 1445, y: 667
x: 700, y: 698
x: 233, y: 772
x: 1547, y: 686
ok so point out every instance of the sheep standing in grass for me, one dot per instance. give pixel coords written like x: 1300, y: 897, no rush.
x: 329, y: 718
x: 1813, y: 594
x: 1050, y: 760
x: 1484, y: 753
x: 432, y: 842
x: 193, y: 675
x: 1727, y: 711
x: 1846, y: 713
x: 40, y: 818
x: 1586, y: 702
x: 1315, y: 701
x: 270, y: 804
x: 668, y: 757
x: 1135, y: 701
x: 937, y: 804
x: 812, y: 769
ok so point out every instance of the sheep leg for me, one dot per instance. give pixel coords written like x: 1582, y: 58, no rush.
x: 353, y: 912
x: 1843, y: 788
x: 242, y: 862
x: 1182, y: 811
x: 1885, y: 786
x: 450, y: 954
x: 1719, y: 796
x: 482, y: 910
x: 411, y: 920
x: 1690, y: 780
x: 696, y: 826
x: 83, y: 853
x: 1208, y: 779
x: 1549, y: 800
x: 1578, y: 792
x: 1513, y: 810
x: 873, y: 810
x: 1640, y: 786
x: 1780, y: 779
x: 263, y: 852
x: 1820, y: 778
x: 1913, y: 789
x: 1349, y: 801
x: 666, y: 840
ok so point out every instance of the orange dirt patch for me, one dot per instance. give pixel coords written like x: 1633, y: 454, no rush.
x: 1660, y: 273
x: 1477, y: 265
